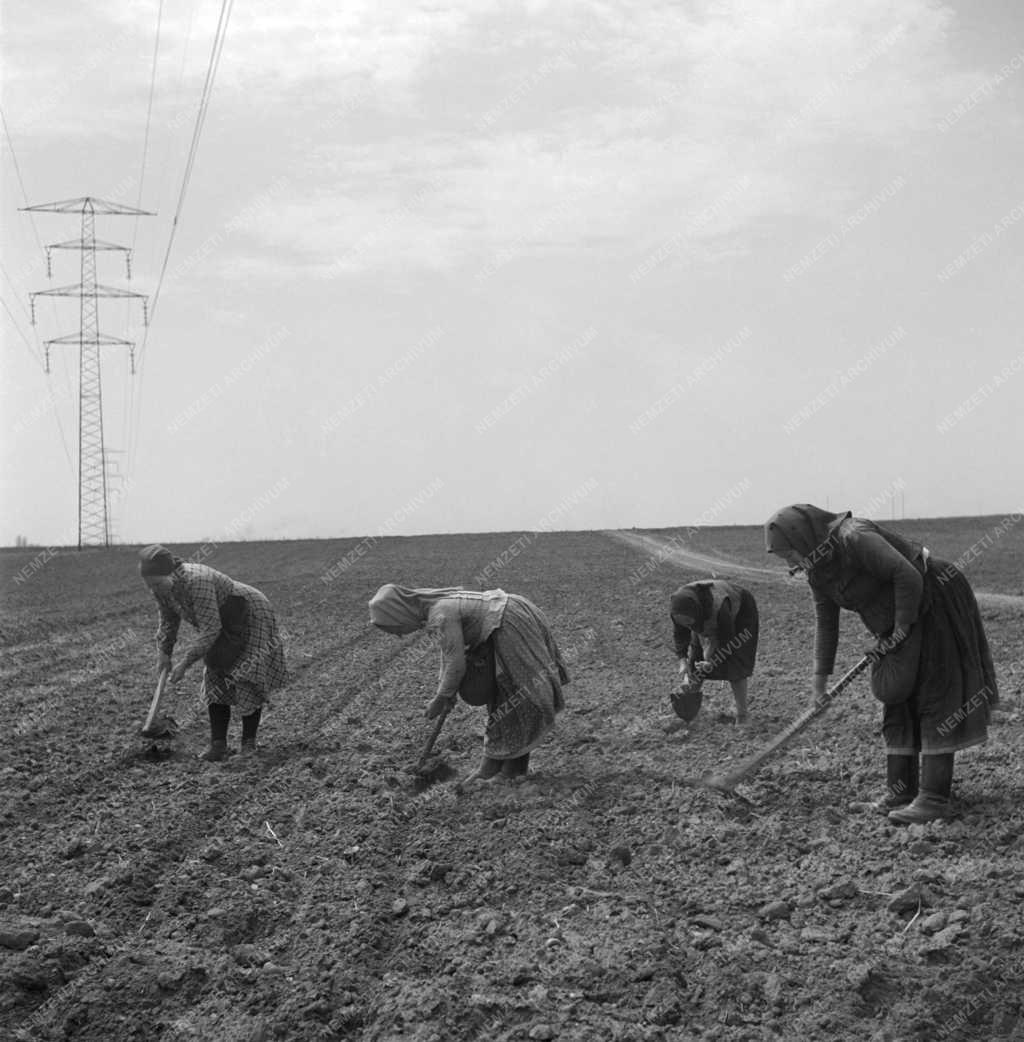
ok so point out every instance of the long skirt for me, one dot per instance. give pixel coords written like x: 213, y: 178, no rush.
x: 946, y: 666
x: 530, y: 675
x: 260, y: 667
x: 735, y: 659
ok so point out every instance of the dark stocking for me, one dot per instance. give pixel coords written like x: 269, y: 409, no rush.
x: 220, y: 717
x: 250, y: 724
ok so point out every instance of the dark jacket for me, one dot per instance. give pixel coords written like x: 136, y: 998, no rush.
x: 719, y: 602
x: 876, y: 573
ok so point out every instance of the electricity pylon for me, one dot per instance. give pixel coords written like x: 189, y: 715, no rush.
x: 93, y: 501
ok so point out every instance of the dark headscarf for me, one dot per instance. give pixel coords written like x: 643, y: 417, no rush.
x: 805, y: 528
x: 686, y: 602
x: 157, y: 560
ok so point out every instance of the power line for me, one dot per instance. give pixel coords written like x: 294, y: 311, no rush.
x: 39, y: 243
x: 149, y: 120
x: 17, y: 170
x: 204, y: 102
x: 49, y: 389
x: 23, y: 335
x: 28, y: 343
x: 126, y: 421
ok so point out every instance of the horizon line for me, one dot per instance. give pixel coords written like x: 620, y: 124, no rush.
x: 128, y: 544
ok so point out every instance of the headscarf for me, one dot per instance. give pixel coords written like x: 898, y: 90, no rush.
x: 804, y: 528
x: 399, y: 609
x: 686, y: 602
x: 157, y: 560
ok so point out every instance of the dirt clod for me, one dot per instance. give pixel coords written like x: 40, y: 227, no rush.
x: 911, y: 899
x: 312, y: 893
x: 18, y: 940
x: 775, y: 910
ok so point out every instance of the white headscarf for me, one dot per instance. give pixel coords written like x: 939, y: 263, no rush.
x: 399, y: 609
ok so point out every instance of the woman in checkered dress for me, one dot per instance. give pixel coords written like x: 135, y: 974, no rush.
x: 237, y: 639
x: 523, y: 691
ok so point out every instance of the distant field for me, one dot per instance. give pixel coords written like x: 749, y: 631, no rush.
x: 990, y: 549
x: 315, y: 894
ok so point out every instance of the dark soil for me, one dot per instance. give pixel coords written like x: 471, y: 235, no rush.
x: 326, y: 890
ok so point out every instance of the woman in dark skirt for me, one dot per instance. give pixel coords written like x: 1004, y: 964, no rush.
x: 932, y: 668
x: 528, y: 673
x: 715, y: 628
x: 237, y: 640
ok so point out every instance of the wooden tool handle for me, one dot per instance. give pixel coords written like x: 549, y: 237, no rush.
x: 154, y: 706
x: 734, y: 777
x: 435, y: 732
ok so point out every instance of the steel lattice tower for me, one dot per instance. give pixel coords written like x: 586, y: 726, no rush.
x: 93, y: 501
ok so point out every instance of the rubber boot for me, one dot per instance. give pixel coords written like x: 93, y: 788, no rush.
x: 220, y: 717
x: 516, y: 767
x: 218, y: 751
x: 739, y: 694
x: 901, y: 776
x: 250, y: 725
x: 932, y: 802
x: 488, y: 769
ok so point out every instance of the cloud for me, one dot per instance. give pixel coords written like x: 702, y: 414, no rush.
x: 606, y: 124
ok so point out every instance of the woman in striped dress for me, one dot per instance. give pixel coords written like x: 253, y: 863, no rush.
x: 529, y: 673
x: 237, y: 640
x: 715, y: 629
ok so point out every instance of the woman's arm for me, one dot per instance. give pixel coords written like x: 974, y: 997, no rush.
x: 203, y: 594
x: 826, y: 636
x: 884, y: 562
x: 719, y: 632
x: 682, y: 638
x: 167, y: 633
x: 446, y: 623
x: 688, y: 648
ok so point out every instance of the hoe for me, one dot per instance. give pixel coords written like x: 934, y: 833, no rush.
x: 726, y: 783
x: 157, y: 726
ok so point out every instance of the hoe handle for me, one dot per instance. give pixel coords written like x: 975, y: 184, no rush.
x: 729, y: 781
x: 154, y: 706
x: 435, y: 732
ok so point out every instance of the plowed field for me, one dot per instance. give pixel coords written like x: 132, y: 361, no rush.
x: 315, y: 892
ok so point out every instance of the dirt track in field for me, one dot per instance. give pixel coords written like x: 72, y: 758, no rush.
x: 316, y: 894
x: 658, y: 549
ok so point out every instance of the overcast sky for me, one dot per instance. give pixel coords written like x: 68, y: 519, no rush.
x: 489, y: 266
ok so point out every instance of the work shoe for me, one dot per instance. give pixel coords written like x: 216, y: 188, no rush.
x: 902, y: 775
x: 924, y: 808
x: 892, y: 801
x: 517, y: 767
x: 488, y: 770
x: 248, y: 746
x: 218, y: 751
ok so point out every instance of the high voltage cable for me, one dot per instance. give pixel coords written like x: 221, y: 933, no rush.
x: 32, y: 347
x: 22, y: 334
x: 49, y: 389
x: 131, y: 418
x: 21, y: 181
x: 129, y: 405
x: 149, y: 119
x: 204, y: 101
x: 39, y: 243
